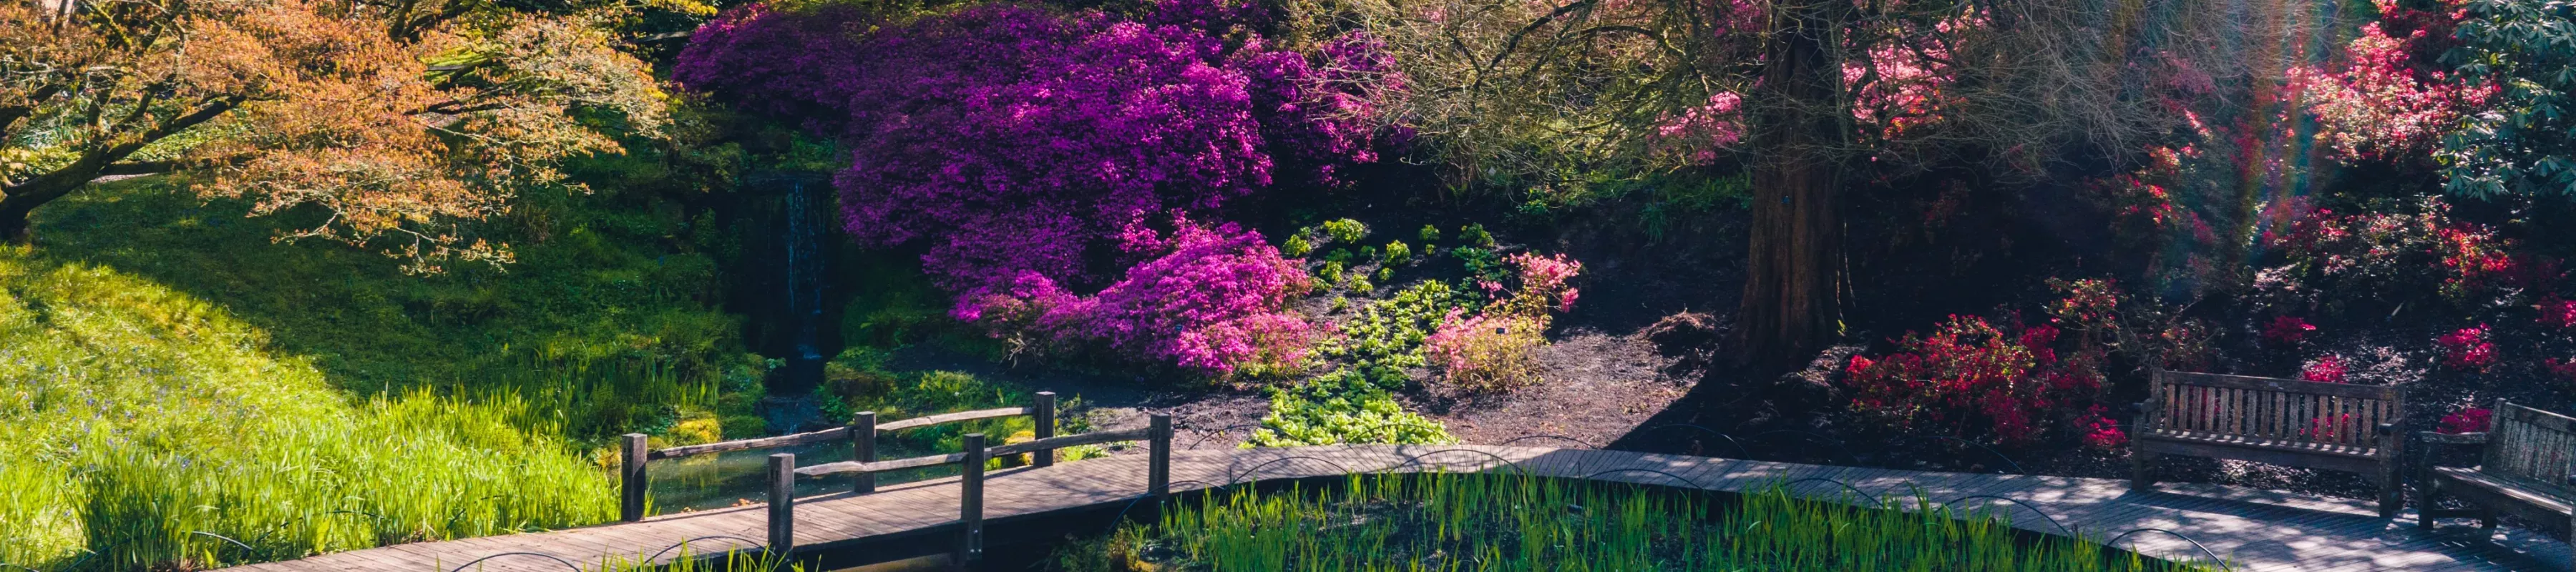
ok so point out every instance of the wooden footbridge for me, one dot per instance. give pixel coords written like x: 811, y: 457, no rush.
x: 2251, y: 530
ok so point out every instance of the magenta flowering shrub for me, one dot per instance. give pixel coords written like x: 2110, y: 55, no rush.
x: 1212, y: 301
x: 2384, y: 105
x: 1013, y: 141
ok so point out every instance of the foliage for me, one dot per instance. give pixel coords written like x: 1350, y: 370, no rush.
x: 141, y: 415
x: 2013, y: 383
x: 1341, y: 408
x: 2526, y: 143
x: 1398, y: 254
x: 304, y: 105
x: 1383, y: 338
x: 1508, y: 522
x: 1011, y: 138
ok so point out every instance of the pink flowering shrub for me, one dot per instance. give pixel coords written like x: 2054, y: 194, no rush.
x: 2556, y: 312
x: 1494, y: 350
x: 1696, y: 135
x: 2471, y: 420
x: 2383, y: 105
x: 2467, y: 349
x: 2287, y: 330
x: 1014, y: 140
x: 2328, y: 368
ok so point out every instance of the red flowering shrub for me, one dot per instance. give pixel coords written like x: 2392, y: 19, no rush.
x: 2467, y: 349
x: 2101, y: 432
x: 2559, y: 368
x: 2470, y: 420
x: 2380, y: 256
x: 2557, y: 313
x: 2287, y: 330
x: 1970, y: 377
x: 2328, y: 368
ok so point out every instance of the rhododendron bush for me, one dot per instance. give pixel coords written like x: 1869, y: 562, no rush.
x: 2011, y: 382
x: 1013, y: 141
x: 1494, y: 349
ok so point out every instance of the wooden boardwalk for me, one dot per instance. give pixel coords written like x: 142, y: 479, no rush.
x: 2256, y: 530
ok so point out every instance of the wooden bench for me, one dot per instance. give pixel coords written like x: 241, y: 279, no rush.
x: 2309, y: 424
x: 2526, y: 468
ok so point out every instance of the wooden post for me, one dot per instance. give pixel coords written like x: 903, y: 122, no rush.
x: 863, y: 447
x: 970, y: 502
x: 630, y: 479
x: 1158, y: 472
x: 782, y: 504
x: 1044, y: 413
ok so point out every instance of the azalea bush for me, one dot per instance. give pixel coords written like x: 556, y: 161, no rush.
x: 1496, y: 349
x: 2010, y: 382
x: 1015, y: 142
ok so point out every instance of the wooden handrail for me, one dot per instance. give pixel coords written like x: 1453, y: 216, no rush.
x: 828, y: 435
x: 1137, y: 434
x: 919, y: 422
x: 970, y: 480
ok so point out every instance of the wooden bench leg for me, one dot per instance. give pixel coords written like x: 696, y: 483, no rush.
x: 2392, y: 492
x: 2142, y: 471
x: 2424, y: 504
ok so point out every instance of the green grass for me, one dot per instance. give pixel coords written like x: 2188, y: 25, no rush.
x: 146, y: 427
x: 1504, y: 522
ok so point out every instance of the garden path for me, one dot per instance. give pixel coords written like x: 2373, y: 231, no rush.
x: 2256, y: 530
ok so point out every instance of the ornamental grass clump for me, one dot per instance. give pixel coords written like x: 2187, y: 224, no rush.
x: 1506, y: 522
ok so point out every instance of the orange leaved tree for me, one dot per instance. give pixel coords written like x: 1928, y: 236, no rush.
x: 397, y: 121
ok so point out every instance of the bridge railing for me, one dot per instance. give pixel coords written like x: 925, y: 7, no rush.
x: 862, y: 433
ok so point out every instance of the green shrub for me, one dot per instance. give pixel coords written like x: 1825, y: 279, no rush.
x: 1345, y: 231
x: 1397, y: 254
x: 1330, y: 273
x: 1475, y: 235
x: 1341, y: 407
x: 1385, y: 336
x: 1429, y: 233
x: 1296, y: 246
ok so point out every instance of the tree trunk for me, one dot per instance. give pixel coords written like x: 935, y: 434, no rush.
x: 1794, y: 282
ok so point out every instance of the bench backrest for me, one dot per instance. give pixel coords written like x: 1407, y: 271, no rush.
x: 2532, y: 447
x: 2271, y: 409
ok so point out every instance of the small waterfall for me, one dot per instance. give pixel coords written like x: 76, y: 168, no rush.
x: 805, y: 283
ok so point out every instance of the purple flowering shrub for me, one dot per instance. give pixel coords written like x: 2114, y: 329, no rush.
x: 1011, y: 140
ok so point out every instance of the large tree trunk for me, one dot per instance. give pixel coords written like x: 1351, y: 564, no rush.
x: 1793, y: 287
